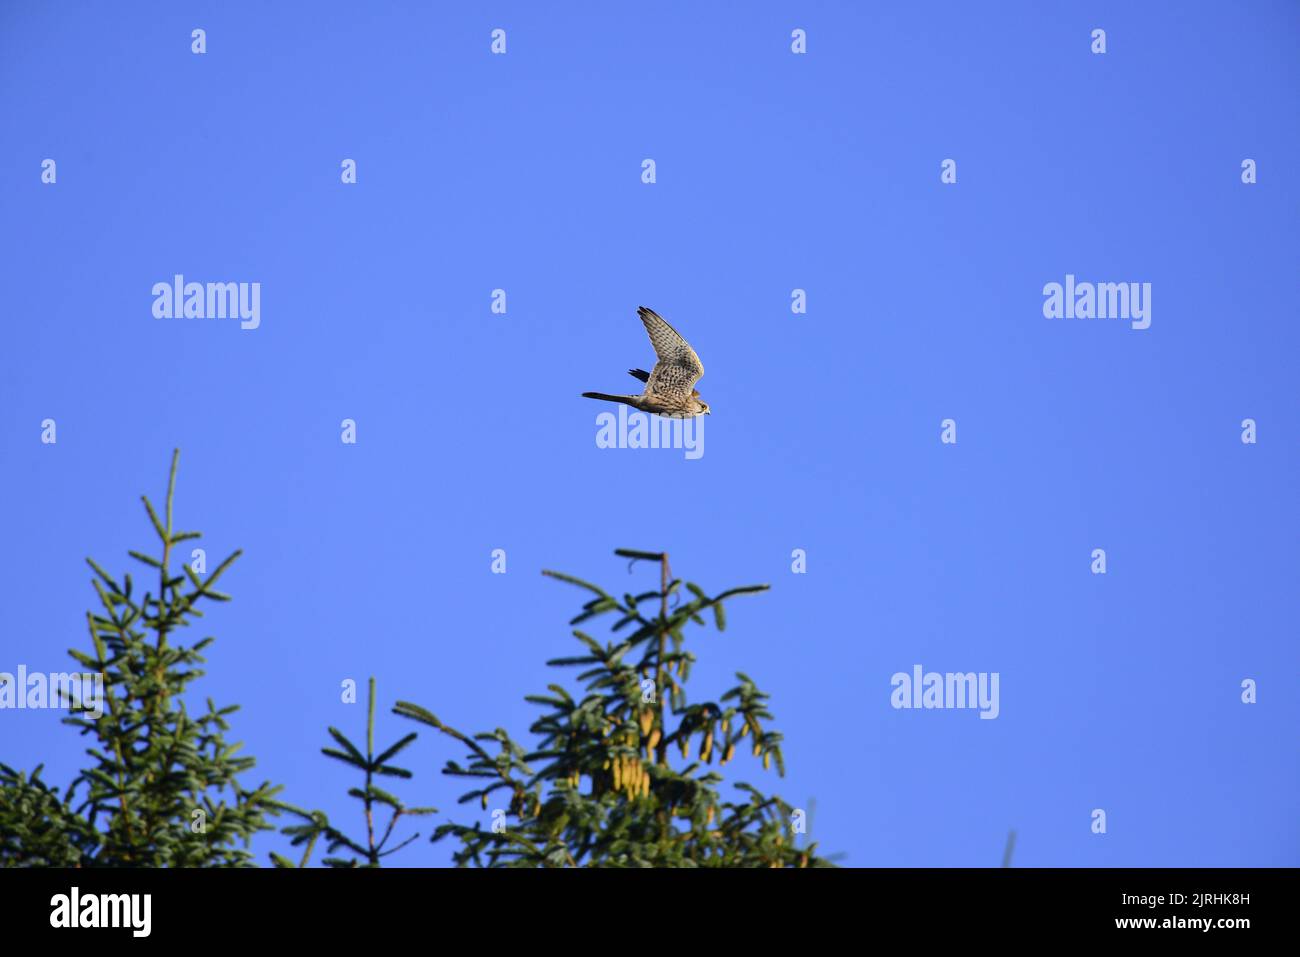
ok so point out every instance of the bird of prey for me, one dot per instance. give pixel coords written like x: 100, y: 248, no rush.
x: 670, y: 385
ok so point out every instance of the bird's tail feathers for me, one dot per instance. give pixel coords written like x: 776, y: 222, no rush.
x: 625, y: 399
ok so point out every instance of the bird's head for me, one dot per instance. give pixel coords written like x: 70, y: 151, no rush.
x: 704, y: 408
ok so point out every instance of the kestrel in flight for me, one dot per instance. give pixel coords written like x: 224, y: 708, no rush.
x: 670, y: 385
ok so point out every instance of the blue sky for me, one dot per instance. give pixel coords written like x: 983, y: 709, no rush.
x: 775, y: 172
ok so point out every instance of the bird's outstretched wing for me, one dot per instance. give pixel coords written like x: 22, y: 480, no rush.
x: 678, y: 368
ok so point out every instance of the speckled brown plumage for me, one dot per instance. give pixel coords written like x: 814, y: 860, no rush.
x: 670, y: 385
